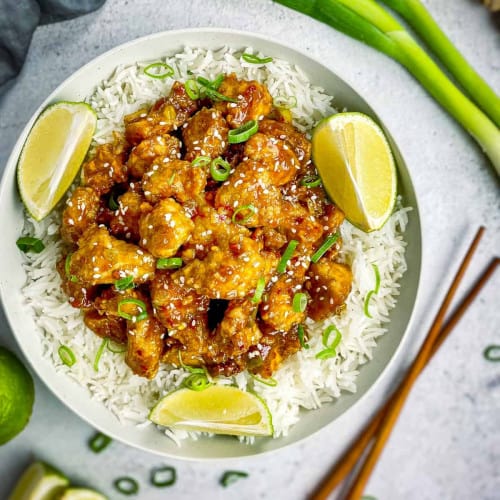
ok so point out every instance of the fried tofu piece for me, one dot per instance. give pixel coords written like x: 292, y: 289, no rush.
x: 229, y: 271
x: 102, y: 259
x: 253, y: 100
x: 165, y: 228
x: 247, y: 186
x: 275, y: 155
x: 166, y: 114
x: 177, y: 179
x: 154, y: 150
x: 205, y: 134
x: 329, y: 285
x: 277, y: 310
x: 79, y: 214
x: 288, y: 133
x: 106, y: 168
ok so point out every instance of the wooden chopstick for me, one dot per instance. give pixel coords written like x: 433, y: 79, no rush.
x: 390, y: 417
x: 346, y: 463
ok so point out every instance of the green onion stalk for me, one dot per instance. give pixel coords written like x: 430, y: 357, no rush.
x: 365, y: 20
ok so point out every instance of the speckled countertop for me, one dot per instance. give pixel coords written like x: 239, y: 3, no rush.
x: 447, y: 442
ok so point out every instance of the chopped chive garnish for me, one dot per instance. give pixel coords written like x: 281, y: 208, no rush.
x: 103, y: 345
x: 492, y: 353
x: 243, y: 133
x: 191, y: 369
x: 159, y: 70
x: 372, y: 292
x: 197, y: 382
x: 126, y: 485
x: 253, y: 59
x: 30, y: 244
x: 162, y: 477
x: 299, y: 302
x: 259, y: 290
x: 143, y: 312
x: 67, y: 264
x: 115, y: 347
x: 124, y: 283
x: 243, y: 214
x: 231, y: 476
x: 219, y: 169
x: 169, y: 263
x: 192, y: 89
x: 301, y: 334
x: 201, y: 161
x: 287, y: 255
x: 271, y: 382
x: 67, y: 356
x: 285, y: 102
x: 98, y: 442
x: 325, y: 246
x: 311, y: 181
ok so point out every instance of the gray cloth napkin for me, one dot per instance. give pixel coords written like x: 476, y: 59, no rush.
x: 18, y: 20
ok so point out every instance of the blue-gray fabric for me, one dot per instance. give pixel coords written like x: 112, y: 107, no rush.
x: 18, y: 21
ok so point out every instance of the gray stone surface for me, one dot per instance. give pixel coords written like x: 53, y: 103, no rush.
x: 447, y: 442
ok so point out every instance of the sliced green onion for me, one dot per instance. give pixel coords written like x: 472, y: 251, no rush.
x: 243, y: 133
x: 490, y: 355
x: 217, y: 82
x: 171, y: 180
x: 326, y: 335
x: 372, y: 292
x: 253, y: 59
x: 162, y: 477
x: 201, y: 161
x: 169, y: 263
x: 326, y: 353
x: 211, y: 92
x: 126, y: 485
x: 30, y: 244
x: 167, y: 70
x: 244, y: 218
x: 300, y: 334
x: 189, y: 72
x: 219, y: 169
x: 67, y: 264
x: 231, y: 476
x: 103, y: 345
x: 143, y: 311
x: 98, y: 442
x: 325, y: 246
x: 191, y: 369
x: 115, y: 347
x: 112, y: 203
x: 370, y: 23
x: 259, y: 290
x: 271, y: 382
x: 299, y: 302
x: 67, y: 356
x: 192, y: 89
x: 124, y: 283
x: 285, y: 102
x: 287, y: 255
x: 197, y: 382
x: 311, y: 181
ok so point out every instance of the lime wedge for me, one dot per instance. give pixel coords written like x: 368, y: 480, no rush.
x: 218, y: 409
x: 39, y: 481
x: 16, y: 396
x: 79, y: 494
x: 52, y: 155
x: 356, y: 167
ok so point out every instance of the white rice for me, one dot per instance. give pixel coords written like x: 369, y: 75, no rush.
x: 303, y: 380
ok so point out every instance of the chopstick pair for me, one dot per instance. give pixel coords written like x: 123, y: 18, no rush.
x: 382, y: 424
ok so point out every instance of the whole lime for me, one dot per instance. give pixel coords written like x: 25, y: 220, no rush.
x: 17, y: 394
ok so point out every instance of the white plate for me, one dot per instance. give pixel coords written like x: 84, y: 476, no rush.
x: 76, y: 88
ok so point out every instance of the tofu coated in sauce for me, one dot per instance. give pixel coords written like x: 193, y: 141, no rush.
x: 182, y: 266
